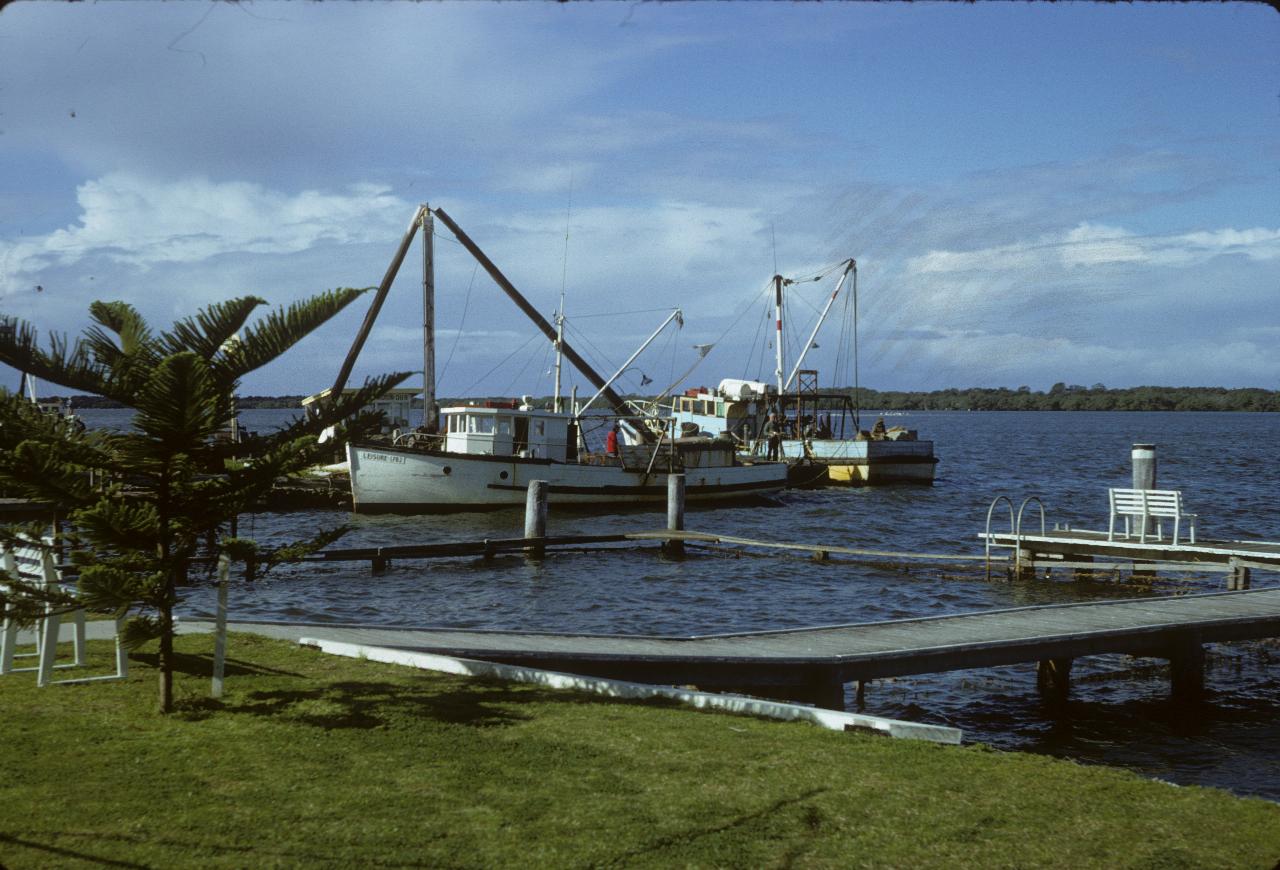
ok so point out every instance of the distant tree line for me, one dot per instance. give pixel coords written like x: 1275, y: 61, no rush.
x: 1060, y: 397
x: 1072, y: 397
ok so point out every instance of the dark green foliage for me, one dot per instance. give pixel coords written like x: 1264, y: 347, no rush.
x: 141, y: 505
x: 1064, y: 397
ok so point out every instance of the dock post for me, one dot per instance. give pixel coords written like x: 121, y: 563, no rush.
x: 1238, y: 579
x: 1144, y: 474
x: 826, y: 689
x: 1053, y: 677
x: 1186, y: 667
x: 535, y: 517
x: 675, y: 515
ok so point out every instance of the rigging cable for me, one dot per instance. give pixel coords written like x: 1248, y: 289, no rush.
x: 504, y: 361
x: 466, y: 303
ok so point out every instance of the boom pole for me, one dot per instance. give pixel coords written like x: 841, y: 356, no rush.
x: 372, y: 314
x: 615, y: 401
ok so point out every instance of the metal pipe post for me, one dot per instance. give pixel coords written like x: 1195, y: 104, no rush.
x: 1144, y: 475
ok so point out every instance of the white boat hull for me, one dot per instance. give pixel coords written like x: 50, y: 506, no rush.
x: 387, y: 479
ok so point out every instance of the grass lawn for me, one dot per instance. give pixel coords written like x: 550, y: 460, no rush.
x: 312, y: 760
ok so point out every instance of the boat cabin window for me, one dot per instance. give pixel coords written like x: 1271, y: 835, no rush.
x: 480, y: 425
x: 504, y: 425
x: 539, y: 427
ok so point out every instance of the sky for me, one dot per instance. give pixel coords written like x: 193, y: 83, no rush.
x: 1033, y: 193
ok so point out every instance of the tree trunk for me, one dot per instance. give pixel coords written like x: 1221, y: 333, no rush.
x: 166, y: 658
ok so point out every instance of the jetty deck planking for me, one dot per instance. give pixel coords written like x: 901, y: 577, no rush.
x: 834, y: 655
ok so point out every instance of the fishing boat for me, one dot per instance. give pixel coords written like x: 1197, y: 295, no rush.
x: 816, y: 432
x: 819, y: 436
x: 484, y: 455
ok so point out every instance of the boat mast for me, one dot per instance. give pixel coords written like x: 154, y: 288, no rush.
x: 372, y: 314
x: 850, y: 266
x: 856, y: 424
x: 615, y: 401
x: 777, y: 343
x: 564, y: 278
x: 676, y: 315
x: 559, y: 352
x: 428, y: 321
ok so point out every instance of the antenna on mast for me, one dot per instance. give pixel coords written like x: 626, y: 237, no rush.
x: 564, y: 279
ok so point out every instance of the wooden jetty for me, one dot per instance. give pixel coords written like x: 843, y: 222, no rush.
x: 1082, y: 545
x: 814, y: 664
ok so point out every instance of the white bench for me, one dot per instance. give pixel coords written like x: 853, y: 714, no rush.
x: 34, y: 564
x: 1140, y: 505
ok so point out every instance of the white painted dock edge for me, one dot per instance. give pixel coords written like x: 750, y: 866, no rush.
x: 833, y: 719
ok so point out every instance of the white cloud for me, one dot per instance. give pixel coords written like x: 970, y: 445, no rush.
x: 138, y: 222
x: 1089, y: 245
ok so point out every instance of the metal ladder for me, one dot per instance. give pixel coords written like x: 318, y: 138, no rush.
x: 1015, y: 527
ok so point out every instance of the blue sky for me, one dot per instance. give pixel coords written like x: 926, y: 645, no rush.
x: 1033, y: 192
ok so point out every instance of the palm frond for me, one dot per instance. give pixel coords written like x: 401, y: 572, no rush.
x: 179, y: 405
x: 62, y: 364
x: 211, y: 328
x: 268, y: 338
x: 125, y: 321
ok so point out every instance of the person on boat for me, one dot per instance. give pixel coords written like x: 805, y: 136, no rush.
x: 878, y: 430
x: 611, y: 441
x: 773, y: 432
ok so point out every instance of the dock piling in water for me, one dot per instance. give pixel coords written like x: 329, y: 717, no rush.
x: 675, y: 514
x: 1144, y: 474
x: 535, y: 517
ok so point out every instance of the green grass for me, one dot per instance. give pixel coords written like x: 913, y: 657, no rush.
x: 312, y: 760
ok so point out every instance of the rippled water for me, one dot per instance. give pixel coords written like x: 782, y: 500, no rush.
x: 1119, y: 713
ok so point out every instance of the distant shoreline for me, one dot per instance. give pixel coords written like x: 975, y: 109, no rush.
x: 1060, y: 397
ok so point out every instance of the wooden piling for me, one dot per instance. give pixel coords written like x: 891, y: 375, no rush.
x: 1186, y: 667
x: 1053, y: 677
x: 535, y: 517
x: 1238, y: 579
x: 675, y: 514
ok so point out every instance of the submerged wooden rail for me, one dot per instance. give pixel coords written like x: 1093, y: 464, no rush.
x: 381, y: 557
x: 814, y: 664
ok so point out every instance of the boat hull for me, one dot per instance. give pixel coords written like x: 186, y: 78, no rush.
x: 858, y: 463
x: 392, y: 479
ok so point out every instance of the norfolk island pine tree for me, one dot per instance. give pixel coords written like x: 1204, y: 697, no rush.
x: 167, y: 485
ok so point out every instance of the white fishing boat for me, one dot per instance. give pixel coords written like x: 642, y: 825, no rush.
x: 816, y: 432
x: 471, y: 457
x: 487, y: 456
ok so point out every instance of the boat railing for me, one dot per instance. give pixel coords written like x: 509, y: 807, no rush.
x: 414, y: 439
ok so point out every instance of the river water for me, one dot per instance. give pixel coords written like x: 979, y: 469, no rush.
x: 1119, y: 712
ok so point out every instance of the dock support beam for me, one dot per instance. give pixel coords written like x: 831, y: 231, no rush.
x: 1186, y: 670
x: 826, y: 690
x: 1053, y: 678
x: 535, y: 517
x: 675, y: 515
x: 1239, y: 578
